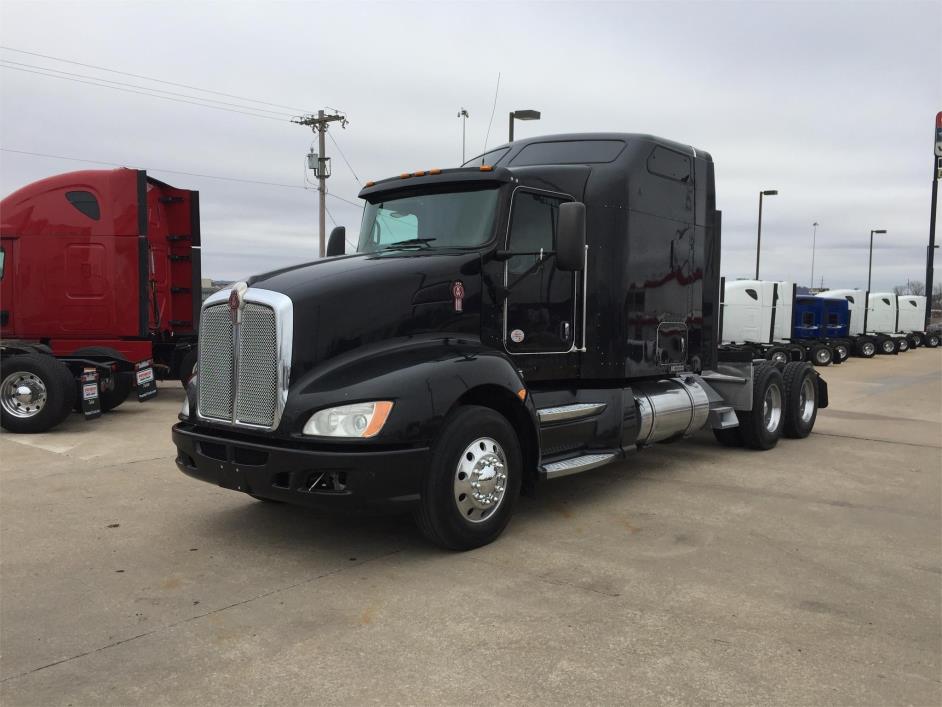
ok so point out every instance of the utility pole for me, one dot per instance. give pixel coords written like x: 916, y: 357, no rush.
x: 930, y: 251
x: 319, y: 125
x: 463, y: 114
x: 814, y: 238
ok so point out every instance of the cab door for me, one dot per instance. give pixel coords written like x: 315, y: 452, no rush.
x: 540, y: 308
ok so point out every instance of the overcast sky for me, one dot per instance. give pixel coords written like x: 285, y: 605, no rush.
x: 833, y: 104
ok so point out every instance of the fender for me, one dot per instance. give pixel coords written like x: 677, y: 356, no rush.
x: 425, y: 378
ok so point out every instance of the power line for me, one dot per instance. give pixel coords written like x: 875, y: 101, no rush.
x: 493, y: 109
x: 156, y: 169
x: 143, y: 93
x: 344, y: 158
x: 150, y: 78
x: 7, y: 63
x: 352, y: 203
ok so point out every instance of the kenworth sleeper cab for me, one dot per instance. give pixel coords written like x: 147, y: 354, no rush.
x: 544, y: 310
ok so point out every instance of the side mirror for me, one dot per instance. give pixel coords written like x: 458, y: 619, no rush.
x: 570, y: 237
x: 337, y: 242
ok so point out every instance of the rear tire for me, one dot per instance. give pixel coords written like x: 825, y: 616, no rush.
x: 902, y: 344
x: 821, y: 355
x: 123, y: 381
x: 932, y: 340
x: 762, y: 426
x: 915, y: 340
x: 36, y: 393
x: 801, y: 399
x: 473, y: 480
x: 841, y: 352
x: 866, y: 348
x: 886, y: 346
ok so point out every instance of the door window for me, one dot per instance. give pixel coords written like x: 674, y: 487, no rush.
x: 541, y: 300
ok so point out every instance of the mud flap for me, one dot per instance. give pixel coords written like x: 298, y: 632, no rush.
x: 822, y: 393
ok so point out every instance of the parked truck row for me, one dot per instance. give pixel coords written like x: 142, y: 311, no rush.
x: 99, y: 293
x: 768, y: 319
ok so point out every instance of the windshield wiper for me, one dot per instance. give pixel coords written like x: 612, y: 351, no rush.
x: 411, y: 242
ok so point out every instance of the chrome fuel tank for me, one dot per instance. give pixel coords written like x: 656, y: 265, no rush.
x: 670, y: 407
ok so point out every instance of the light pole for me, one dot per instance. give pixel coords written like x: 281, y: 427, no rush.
x: 521, y: 115
x: 870, y: 264
x: 814, y: 238
x: 767, y: 192
x: 463, y: 114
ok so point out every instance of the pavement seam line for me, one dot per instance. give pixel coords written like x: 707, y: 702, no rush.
x: 181, y: 622
x: 884, y: 441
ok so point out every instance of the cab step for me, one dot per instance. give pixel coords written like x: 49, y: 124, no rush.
x: 577, y: 465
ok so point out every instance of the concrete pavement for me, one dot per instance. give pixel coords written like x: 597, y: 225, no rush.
x: 809, y: 574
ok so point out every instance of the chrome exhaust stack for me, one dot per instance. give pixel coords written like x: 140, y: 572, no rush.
x: 670, y: 408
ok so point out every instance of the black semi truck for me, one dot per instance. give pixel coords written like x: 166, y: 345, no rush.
x: 546, y: 309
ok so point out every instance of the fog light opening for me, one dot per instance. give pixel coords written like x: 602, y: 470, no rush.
x: 326, y: 482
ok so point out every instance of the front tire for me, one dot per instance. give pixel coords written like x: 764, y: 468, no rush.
x: 761, y: 427
x: 887, y: 346
x: 473, y: 480
x: 842, y: 352
x: 933, y: 340
x: 36, y: 393
x: 801, y: 399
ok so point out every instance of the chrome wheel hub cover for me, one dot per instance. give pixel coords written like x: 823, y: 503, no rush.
x: 23, y: 394
x: 480, y: 479
x: 806, y: 399
x: 772, y: 408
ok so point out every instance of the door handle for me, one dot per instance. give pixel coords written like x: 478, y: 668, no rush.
x: 564, y: 331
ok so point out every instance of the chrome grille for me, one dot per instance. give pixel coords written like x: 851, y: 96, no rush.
x: 257, y: 390
x: 215, y: 363
x: 243, y: 368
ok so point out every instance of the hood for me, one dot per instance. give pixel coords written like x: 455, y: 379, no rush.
x: 351, y: 301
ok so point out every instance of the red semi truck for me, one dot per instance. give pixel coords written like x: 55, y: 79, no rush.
x: 99, y: 277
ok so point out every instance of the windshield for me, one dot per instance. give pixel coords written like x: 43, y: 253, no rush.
x: 462, y: 219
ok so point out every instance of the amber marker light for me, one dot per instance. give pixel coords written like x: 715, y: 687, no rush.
x: 381, y: 411
x: 420, y: 173
x: 522, y: 394
x: 486, y: 168
x: 436, y: 170
x: 370, y: 183
x: 404, y: 175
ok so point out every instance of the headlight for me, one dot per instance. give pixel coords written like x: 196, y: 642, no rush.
x: 358, y: 420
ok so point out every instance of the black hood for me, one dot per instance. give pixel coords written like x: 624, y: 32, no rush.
x: 346, y: 302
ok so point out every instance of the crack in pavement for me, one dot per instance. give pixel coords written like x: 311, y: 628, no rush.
x: 167, y: 627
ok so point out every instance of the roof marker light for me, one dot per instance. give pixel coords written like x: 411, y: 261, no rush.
x: 486, y: 168
x: 404, y: 175
x: 420, y: 173
x: 435, y: 170
x: 370, y: 183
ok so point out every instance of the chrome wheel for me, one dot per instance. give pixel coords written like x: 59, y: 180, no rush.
x: 903, y: 345
x: 480, y: 480
x: 780, y: 357
x: 807, y: 399
x: 888, y: 346
x: 23, y: 394
x: 842, y: 352
x: 868, y: 349
x: 822, y: 356
x: 772, y: 408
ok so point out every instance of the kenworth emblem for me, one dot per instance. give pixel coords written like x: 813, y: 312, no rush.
x: 236, y: 300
